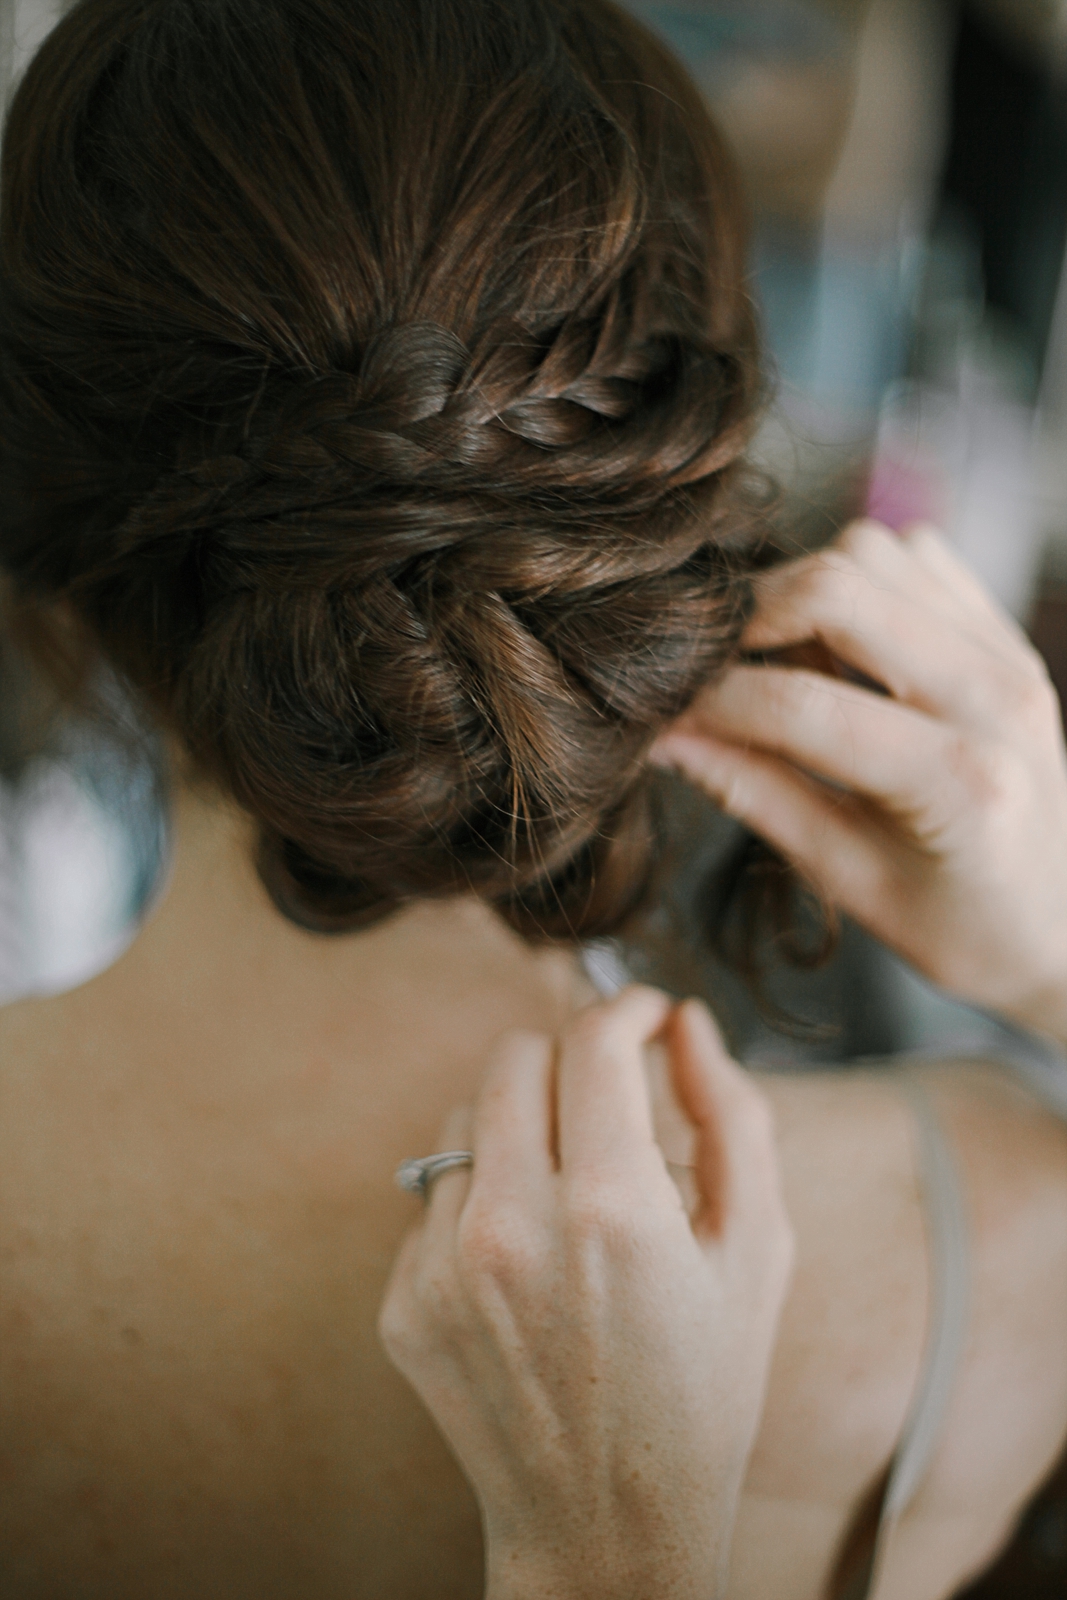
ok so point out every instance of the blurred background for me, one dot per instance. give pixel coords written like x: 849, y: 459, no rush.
x: 906, y: 166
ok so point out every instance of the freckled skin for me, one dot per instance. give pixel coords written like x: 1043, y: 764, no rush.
x: 197, y: 1218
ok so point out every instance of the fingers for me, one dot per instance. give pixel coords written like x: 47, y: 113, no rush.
x: 736, y: 1157
x: 514, y: 1136
x: 509, y: 1130
x: 870, y: 744
x: 904, y: 612
x: 449, y: 1193
x: 840, y: 851
x: 602, y: 1108
x: 605, y: 1115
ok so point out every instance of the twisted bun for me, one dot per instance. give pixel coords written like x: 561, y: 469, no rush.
x: 421, y: 513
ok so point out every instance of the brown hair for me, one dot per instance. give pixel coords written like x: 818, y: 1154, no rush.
x: 374, y: 378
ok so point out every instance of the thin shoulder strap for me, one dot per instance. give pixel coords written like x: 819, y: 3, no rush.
x: 945, y: 1217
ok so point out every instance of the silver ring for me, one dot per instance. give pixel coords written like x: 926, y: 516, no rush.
x: 420, y: 1172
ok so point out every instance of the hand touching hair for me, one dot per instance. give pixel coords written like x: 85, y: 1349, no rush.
x: 373, y: 384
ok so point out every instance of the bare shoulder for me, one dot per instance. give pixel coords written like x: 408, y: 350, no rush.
x: 34, y: 1035
x: 854, y: 1330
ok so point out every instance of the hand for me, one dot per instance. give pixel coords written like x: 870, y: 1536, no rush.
x: 595, y: 1358
x: 934, y: 814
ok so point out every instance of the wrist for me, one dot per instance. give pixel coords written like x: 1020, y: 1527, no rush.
x: 665, y: 1570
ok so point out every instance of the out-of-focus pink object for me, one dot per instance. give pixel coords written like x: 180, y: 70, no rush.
x: 963, y: 458
x: 900, y: 493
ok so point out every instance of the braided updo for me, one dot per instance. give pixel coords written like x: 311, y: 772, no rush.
x: 374, y: 377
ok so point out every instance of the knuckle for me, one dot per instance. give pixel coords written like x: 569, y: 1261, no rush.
x: 595, y: 1210
x: 589, y: 1212
x: 398, y: 1329
x: 1016, y: 692
x: 990, y: 773
x: 494, y: 1245
x: 435, y: 1300
x: 590, y: 1029
x: 865, y: 540
x: 391, y: 1326
x: 839, y: 585
x: 833, y: 575
x: 607, y: 1222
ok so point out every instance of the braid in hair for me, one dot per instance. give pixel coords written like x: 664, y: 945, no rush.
x: 418, y: 519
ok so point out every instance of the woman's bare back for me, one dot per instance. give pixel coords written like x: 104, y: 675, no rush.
x: 198, y: 1218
